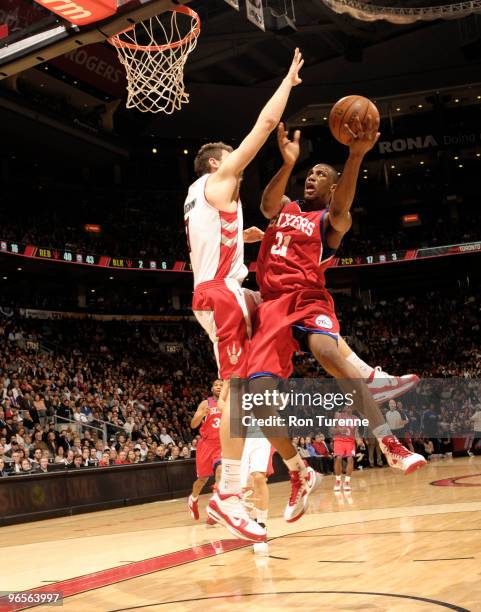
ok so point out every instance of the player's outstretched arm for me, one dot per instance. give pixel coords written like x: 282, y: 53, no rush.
x: 253, y: 234
x: 269, y: 117
x: 199, y: 414
x: 274, y: 198
x: 363, y: 138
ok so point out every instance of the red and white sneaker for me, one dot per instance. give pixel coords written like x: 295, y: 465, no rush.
x: 301, y: 488
x: 399, y: 457
x: 384, y: 387
x: 193, y: 507
x: 346, y: 486
x: 229, y: 511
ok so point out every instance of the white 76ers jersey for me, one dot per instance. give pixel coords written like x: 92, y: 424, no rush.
x: 215, y: 238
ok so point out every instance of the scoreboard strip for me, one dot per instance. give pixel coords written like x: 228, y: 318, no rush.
x: 170, y: 265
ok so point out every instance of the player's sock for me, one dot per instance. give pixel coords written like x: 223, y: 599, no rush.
x: 347, y: 479
x: 261, y: 516
x: 295, y: 464
x: 230, y: 478
x: 361, y: 366
x: 381, y: 431
x: 194, y: 499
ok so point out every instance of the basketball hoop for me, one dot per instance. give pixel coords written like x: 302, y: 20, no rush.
x: 154, y: 55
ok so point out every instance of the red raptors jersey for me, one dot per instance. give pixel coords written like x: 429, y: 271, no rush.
x: 209, y: 430
x: 292, y: 254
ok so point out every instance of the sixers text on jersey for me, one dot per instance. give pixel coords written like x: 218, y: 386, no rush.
x: 293, y: 254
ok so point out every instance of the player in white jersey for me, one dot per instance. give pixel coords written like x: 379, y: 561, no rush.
x: 213, y: 219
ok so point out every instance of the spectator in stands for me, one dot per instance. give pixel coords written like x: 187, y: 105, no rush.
x: 185, y: 453
x: 64, y: 412
x: 38, y: 442
x: 105, y: 461
x: 3, y: 469
x: 26, y: 467
x: 132, y: 457
x: 51, y: 444
x: 302, y: 448
x: 43, y: 467
x: 69, y: 458
x: 165, y: 438
x: 322, y: 450
x: 12, y: 447
x: 60, y: 457
x: 37, y: 455
x: 160, y: 453
x: 40, y: 407
x: 76, y: 464
x: 16, y: 463
x: 174, y: 453
x: 93, y: 460
x: 122, y: 458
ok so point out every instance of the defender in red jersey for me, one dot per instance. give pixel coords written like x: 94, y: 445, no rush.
x: 208, y: 456
x: 213, y: 219
x: 296, y: 250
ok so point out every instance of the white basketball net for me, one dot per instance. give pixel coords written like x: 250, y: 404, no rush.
x: 154, y: 56
x: 371, y: 12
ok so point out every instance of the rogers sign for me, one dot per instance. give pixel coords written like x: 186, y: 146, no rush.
x: 96, y: 65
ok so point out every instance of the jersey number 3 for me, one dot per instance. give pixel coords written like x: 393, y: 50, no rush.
x: 280, y: 247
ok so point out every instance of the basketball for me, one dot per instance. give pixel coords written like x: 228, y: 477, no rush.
x: 346, y: 110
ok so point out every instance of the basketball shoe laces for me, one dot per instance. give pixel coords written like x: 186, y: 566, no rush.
x: 297, y: 485
x: 396, y: 448
x: 247, y: 502
x: 391, y: 380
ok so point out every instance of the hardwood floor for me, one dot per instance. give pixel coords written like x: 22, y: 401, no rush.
x: 396, y: 543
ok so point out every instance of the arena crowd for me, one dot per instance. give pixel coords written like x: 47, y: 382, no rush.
x: 85, y: 393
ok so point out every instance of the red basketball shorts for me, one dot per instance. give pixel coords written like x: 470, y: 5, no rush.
x: 208, y: 454
x: 273, y: 344
x: 344, y: 447
x: 224, y: 310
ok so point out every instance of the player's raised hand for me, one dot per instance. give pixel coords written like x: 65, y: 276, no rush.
x: 293, y: 74
x: 290, y: 149
x: 363, y: 136
x: 253, y: 234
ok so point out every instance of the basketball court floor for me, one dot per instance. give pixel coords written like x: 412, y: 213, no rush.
x: 396, y: 543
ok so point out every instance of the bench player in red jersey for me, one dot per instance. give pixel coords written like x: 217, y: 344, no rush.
x: 208, y: 456
x: 345, y: 436
x: 297, y: 248
x: 213, y: 219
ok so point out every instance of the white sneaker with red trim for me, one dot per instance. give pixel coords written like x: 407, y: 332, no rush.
x: 301, y: 488
x: 399, y: 457
x: 229, y: 511
x: 193, y: 508
x: 384, y: 387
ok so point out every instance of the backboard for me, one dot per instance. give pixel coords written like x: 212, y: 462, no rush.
x: 31, y: 34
